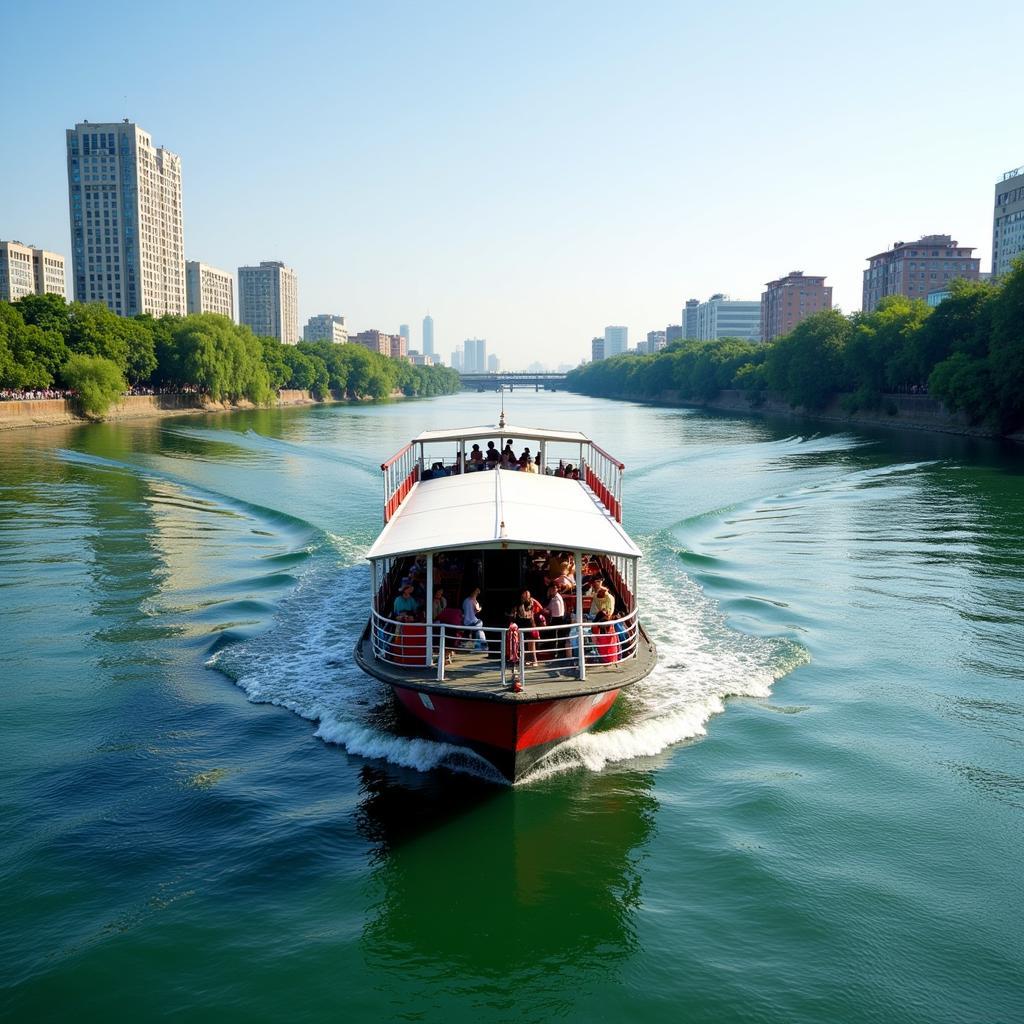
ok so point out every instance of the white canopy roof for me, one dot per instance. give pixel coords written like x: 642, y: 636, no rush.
x: 494, y: 432
x: 486, y: 509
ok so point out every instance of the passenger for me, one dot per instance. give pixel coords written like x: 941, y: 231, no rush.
x: 524, y: 458
x: 558, y: 565
x: 525, y: 616
x: 493, y: 456
x: 555, y: 611
x: 471, y: 617
x: 575, y: 474
x: 603, y: 603
x: 530, y: 467
x: 537, y: 461
x: 509, y: 449
x: 561, y: 469
x: 440, y: 603
x: 606, y: 640
x: 507, y: 462
x: 476, y: 457
x: 404, y: 608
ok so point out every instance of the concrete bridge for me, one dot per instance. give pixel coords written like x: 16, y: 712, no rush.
x: 494, y: 381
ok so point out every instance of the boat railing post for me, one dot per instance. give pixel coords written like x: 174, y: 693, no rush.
x: 522, y: 658
x: 428, y: 654
x: 579, y: 611
x: 504, y: 660
x: 441, y: 655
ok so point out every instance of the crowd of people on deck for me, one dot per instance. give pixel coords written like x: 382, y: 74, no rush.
x: 491, y: 458
x: 605, y: 635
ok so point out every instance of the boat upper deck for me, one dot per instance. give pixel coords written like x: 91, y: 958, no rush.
x: 591, y: 466
x: 499, y: 508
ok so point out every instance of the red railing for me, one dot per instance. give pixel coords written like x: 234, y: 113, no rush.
x: 401, y: 471
x: 604, y: 477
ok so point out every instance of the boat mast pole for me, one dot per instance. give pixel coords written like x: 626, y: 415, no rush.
x: 579, y: 613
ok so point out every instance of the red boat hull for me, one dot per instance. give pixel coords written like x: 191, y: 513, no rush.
x: 512, y: 735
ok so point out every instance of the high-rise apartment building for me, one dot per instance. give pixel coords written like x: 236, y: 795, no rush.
x: 689, y: 324
x: 375, y: 341
x: 656, y: 341
x: 209, y: 290
x: 1008, y: 222
x: 127, y: 240
x: 474, y: 355
x: 457, y: 362
x: 268, y: 301
x: 674, y: 332
x: 616, y: 341
x: 399, y: 347
x: 916, y: 268
x: 722, y: 317
x: 428, y: 335
x: 596, y: 349
x: 789, y: 300
x: 403, y: 331
x: 25, y: 270
x: 325, y: 327
x: 493, y: 364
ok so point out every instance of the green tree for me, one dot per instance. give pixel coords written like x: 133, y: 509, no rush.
x: 807, y: 364
x: 222, y: 359
x: 29, y: 356
x: 98, y: 382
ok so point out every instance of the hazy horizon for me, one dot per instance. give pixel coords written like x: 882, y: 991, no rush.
x: 530, y: 176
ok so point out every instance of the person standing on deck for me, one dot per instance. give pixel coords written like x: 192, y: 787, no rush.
x: 471, y: 617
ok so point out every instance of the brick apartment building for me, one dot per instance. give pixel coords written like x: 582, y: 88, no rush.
x: 789, y: 300
x: 916, y: 268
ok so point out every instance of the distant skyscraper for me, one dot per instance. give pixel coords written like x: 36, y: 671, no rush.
x: 25, y: 270
x: 1008, y: 221
x: 674, y: 332
x: 475, y: 357
x: 428, y: 335
x: 655, y: 341
x: 789, y: 300
x: 917, y: 268
x: 209, y: 290
x: 596, y: 349
x: 127, y: 244
x: 689, y: 323
x: 325, y: 327
x: 493, y: 364
x: 403, y: 332
x: 268, y: 301
x: 616, y: 341
x: 457, y: 361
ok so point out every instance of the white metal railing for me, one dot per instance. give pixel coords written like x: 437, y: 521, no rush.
x: 603, y: 475
x: 400, y: 472
x: 566, y: 647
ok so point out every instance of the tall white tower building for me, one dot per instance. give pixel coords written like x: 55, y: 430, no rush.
x: 268, y: 301
x: 616, y: 341
x: 428, y: 335
x: 127, y: 244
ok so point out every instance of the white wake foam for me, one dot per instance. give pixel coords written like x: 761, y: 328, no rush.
x: 305, y: 663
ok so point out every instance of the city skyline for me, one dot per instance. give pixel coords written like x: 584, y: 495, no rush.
x: 856, y: 176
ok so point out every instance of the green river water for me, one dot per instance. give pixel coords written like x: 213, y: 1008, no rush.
x: 812, y: 811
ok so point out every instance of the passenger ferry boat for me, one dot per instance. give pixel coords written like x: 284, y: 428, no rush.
x: 479, y: 536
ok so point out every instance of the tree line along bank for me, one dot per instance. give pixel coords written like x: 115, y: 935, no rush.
x: 47, y: 342
x: 968, y: 352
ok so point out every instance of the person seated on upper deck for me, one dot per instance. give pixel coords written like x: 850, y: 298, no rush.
x: 507, y: 461
x: 561, y: 469
x: 508, y: 448
x: 493, y: 456
x: 530, y: 467
x: 476, y: 458
x: 524, y: 458
x: 405, y: 606
x: 575, y: 474
x: 558, y: 565
x: 568, y: 471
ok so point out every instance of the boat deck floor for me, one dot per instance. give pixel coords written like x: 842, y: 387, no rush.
x: 473, y: 674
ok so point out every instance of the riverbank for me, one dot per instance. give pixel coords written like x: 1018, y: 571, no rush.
x: 905, y: 412
x: 50, y: 412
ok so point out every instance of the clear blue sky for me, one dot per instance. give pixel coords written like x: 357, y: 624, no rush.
x: 530, y: 172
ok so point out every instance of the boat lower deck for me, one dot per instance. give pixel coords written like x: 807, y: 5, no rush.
x: 476, y: 674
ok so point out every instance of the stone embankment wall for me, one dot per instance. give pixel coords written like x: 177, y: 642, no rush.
x: 915, y: 412
x: 55, y: 411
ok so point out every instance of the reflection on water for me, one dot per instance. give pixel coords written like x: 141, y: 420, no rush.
x: 492, y: 890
